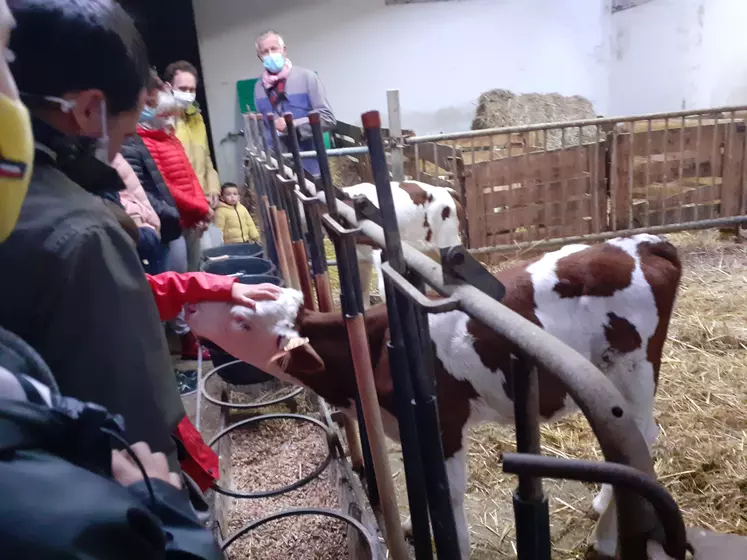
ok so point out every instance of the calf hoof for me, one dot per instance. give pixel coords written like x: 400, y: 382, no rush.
x: 593, y: 514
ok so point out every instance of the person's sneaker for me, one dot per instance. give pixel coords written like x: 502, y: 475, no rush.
x: 186, y: 381
x: 190, y: 346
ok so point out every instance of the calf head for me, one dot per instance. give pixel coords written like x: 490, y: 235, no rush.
x: 265, y: 337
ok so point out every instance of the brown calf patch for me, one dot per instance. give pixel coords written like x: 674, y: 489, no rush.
x: 621, y: 334
x: 429, y: 235
x: 600, y: 270
x: 495, y: 351
x: 417, y: 194
x: 445, y: 213
x: 662, y: 270
x: 454, y: 397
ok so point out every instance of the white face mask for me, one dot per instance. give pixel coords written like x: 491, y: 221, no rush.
x: 102, y: 142
x: 184, y: 98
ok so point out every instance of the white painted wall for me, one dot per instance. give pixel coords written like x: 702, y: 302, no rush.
x: 440, y: 55
x: 674, y: 54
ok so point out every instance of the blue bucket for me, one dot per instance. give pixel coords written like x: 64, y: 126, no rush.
x: 234, y: 250
x: 240, y: 266
x: 240, y: 373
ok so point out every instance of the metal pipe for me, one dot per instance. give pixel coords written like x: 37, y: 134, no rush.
x: 351, y: 151
x: 654, y: 230
x: 413, y: 380
x: 621, y: 476
x: 568, y: 124
x: 299, y: 246
x: 395, y: 132
x: 321, y: 279
x: 278, y: 213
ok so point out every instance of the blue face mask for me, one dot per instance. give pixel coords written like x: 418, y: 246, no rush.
x: 274, y: 62
x: 147, y: 114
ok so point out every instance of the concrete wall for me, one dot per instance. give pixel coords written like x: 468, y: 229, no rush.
x: 440, y: 55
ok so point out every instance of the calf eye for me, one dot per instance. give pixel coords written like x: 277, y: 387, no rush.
x: 245, y: 327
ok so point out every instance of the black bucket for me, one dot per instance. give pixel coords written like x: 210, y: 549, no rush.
x: 241, y: 373
x: 234, y: 250
x: 245, y: 266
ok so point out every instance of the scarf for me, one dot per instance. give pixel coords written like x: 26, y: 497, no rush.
x: 269, y: 80
x: 274, y: 84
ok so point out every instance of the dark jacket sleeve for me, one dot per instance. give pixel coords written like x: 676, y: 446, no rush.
x: 103, y: 336
x: 184, y: 534
x: 136, y: 154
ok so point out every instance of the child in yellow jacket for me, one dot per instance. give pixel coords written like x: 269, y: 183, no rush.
x: 232, y: 217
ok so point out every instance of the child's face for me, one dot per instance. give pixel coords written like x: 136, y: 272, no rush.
x: 231, y: 196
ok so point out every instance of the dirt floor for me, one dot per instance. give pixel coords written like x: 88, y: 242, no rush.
x: 701, y: 408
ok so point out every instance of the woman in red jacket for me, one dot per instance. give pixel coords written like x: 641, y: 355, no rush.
x: 156, y: 129
x: 172, y: 291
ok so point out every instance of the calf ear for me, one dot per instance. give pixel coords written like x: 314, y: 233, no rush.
x: 300, y: 360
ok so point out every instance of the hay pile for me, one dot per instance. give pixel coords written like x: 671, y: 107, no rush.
x: 500, y: 108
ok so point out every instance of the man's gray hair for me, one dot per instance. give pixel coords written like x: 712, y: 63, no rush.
x: 262, y: 36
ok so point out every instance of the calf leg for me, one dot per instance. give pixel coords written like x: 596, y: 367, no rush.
x: 456, y: 472
x: 633, y: 376
x: 365, y: 268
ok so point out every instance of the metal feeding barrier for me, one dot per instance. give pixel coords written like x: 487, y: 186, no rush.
x: 645, y: 511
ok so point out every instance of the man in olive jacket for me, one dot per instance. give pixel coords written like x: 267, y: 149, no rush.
x: 72, y: 284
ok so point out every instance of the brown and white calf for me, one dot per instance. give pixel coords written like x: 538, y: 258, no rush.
x: 428, y: 217
x: 611, y: 302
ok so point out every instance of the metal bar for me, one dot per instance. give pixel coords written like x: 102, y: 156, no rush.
x: 631, y: 169
x: 665, y: 177
x: 351, y: 151
x: 417, y: 161
x: 620, y: 476
x: 654, y: 230
x: 323, y: 289
x: 594, y: 182
x: 563, y: 189
x: 352, y: 308
x: 511, y: 201
x: 613, y: 178
x: 698, y: 138
x: 680, y: 171
x: 648, y: 171
x: 568, y: 124
x: 413, y: 379
x: 713, y: 164
x: 531, y: 510
x: 299, y: 245
x: 395, y: 132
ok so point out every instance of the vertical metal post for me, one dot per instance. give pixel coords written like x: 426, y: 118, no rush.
x: 299, y: 245
x: 352, y: 308
x: 531, y: 510
x: 261, y: 196
x: 362, y: 455
x: 413, y: 382
x: 395, y: 130
x: 288, y: 267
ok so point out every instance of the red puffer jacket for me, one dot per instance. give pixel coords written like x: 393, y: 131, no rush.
x: 172, y: 291
x: 183, y: 184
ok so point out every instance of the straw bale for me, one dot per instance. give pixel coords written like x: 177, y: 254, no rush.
x: 501, y: 108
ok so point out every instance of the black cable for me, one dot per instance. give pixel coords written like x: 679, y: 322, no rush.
x: 129, y: 450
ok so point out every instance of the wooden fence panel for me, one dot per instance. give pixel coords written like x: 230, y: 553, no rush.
x: 536, y: 195
x: 678, y: 166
